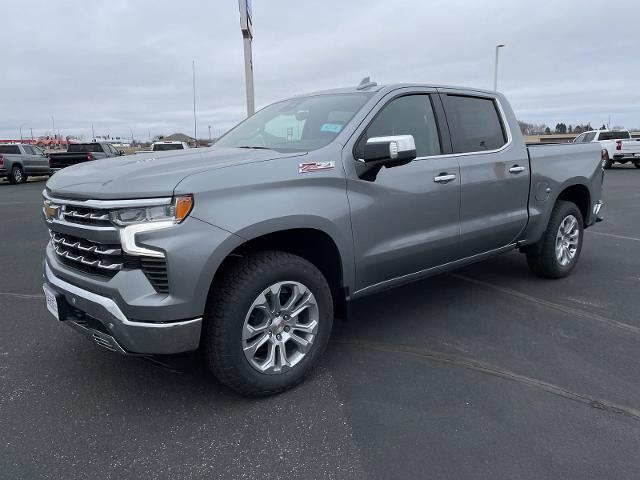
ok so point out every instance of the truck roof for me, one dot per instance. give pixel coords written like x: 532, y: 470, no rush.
x: 373, y: 87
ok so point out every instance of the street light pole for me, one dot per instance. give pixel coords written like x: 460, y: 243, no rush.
x: 195, y: 126
x: 495, y: 71
x: 246, y: 26
x: 209, y: 133
x: 21, y: 130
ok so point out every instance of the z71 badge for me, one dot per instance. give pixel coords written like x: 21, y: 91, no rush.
x: 315, y: 166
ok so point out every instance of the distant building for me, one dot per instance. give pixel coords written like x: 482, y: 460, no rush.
x: 180, y: 137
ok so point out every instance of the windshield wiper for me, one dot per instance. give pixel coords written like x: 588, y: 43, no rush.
x: 254, y: 148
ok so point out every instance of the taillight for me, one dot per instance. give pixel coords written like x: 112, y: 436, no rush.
x: 90, y: 157
x: 618, y: 144
x: 1, y: 161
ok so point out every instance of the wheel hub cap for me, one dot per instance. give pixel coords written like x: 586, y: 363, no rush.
x: 567, y: 240
x: 280, y: 327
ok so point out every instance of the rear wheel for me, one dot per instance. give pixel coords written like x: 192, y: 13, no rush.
x: 17, y: 175
x: 267, y: 321
x: 606, y: 161
x: 637, y: 164
x: 557, y: 252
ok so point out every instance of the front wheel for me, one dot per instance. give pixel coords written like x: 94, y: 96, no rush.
x: 267, y: 321
x: 557, y: 252
x: 17, y: 175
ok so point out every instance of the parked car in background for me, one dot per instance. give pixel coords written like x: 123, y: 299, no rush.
x: 170, y: 145
x: 19, y: 161
x: 82, y: 152
x: 249, y: 249
x: 617, y: 146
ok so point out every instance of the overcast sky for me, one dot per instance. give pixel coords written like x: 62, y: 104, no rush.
x: 124, y: 64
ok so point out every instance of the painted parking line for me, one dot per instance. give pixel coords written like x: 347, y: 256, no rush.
x: 22, y: 295
x: 613, y: 235
x: 496, y: 371
x: 572, y: 311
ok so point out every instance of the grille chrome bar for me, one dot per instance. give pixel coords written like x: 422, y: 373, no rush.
x: 77, y: 244
x: 90, y: 263
x: 87, y: 215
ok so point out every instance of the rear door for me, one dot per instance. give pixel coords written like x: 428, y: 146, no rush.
x: 404, y: 219
x: 494, y: 172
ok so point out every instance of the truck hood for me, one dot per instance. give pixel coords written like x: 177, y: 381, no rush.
x: 152, y: 174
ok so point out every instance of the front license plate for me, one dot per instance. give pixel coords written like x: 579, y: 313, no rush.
x: 52, y: 301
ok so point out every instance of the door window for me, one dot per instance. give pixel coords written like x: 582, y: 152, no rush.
x: 589, y: 137
x: 579, y: 138
x: 474, y: 123
x: 408, y: 115
x: 9, y: 149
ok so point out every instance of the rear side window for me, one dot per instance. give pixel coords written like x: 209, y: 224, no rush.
x: 9, y: 149
x: 409, y: 115
x: 85, y: 148
x: 474, y: 123
x: 613, y: 135
x: 589, y: 137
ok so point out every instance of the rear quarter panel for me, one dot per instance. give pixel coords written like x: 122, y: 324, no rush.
x: 555, y: 167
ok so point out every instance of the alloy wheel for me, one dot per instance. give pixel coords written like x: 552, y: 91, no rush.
x: 280, y: 327
x: 567, y: 240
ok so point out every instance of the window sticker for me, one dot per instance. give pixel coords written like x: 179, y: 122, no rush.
x: 331, y: 127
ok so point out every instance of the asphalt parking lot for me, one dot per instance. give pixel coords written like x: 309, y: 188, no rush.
x: 485, y: 373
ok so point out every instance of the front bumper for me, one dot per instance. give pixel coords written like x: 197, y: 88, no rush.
x: 100, y: 319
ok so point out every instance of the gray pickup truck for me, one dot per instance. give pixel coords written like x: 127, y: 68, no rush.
x: 18, y: 161
x: 248, y: 250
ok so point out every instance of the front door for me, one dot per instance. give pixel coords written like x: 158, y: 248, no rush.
x: 405, y: 219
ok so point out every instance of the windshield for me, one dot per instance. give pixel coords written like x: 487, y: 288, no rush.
x: 161, y: 147
x: 299, y: 124
x: 84, y: 148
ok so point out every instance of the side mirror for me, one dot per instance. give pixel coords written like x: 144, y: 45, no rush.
x: 391, y: 151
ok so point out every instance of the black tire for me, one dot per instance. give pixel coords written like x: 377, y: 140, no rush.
x: 637, y: 164
x: 231, y: 297
x: 17, y: 176
x: 607, y: 162
x: 541, y: 257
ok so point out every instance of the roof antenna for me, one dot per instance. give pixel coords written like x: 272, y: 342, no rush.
x: 366, y: 83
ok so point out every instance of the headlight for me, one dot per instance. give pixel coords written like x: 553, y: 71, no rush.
x: 174, y: 212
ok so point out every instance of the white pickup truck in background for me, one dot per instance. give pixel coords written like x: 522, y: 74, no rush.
x: 617, y: 146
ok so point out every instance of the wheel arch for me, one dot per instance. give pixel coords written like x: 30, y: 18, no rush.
x: 313, y: 244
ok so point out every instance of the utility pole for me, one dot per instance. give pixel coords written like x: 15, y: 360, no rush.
x: 31, y: 133
x: 93, y: 133
x: 53, y: 122
x: 209, y: 133
x: 495, y: 71
x: 246, y: 26
x: 195, y: 126
x: 21, y: 130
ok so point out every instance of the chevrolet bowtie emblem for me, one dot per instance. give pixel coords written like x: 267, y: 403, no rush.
x: 50, y: 211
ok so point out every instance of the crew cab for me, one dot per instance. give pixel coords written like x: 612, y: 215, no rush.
x: 617, y: 146
x: 248, y: 250
x: 18, y: 161
x: 82, y: 152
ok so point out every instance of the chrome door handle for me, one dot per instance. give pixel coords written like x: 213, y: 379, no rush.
x: 516, y: 169
x: 445, y: 178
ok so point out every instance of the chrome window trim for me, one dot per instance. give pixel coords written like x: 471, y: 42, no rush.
x: 505, y: 125
x: 110, y: 204
x: 503, y: 119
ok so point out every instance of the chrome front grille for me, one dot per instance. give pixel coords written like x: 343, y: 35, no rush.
x: 86, y: 216
x: 99, y: 258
